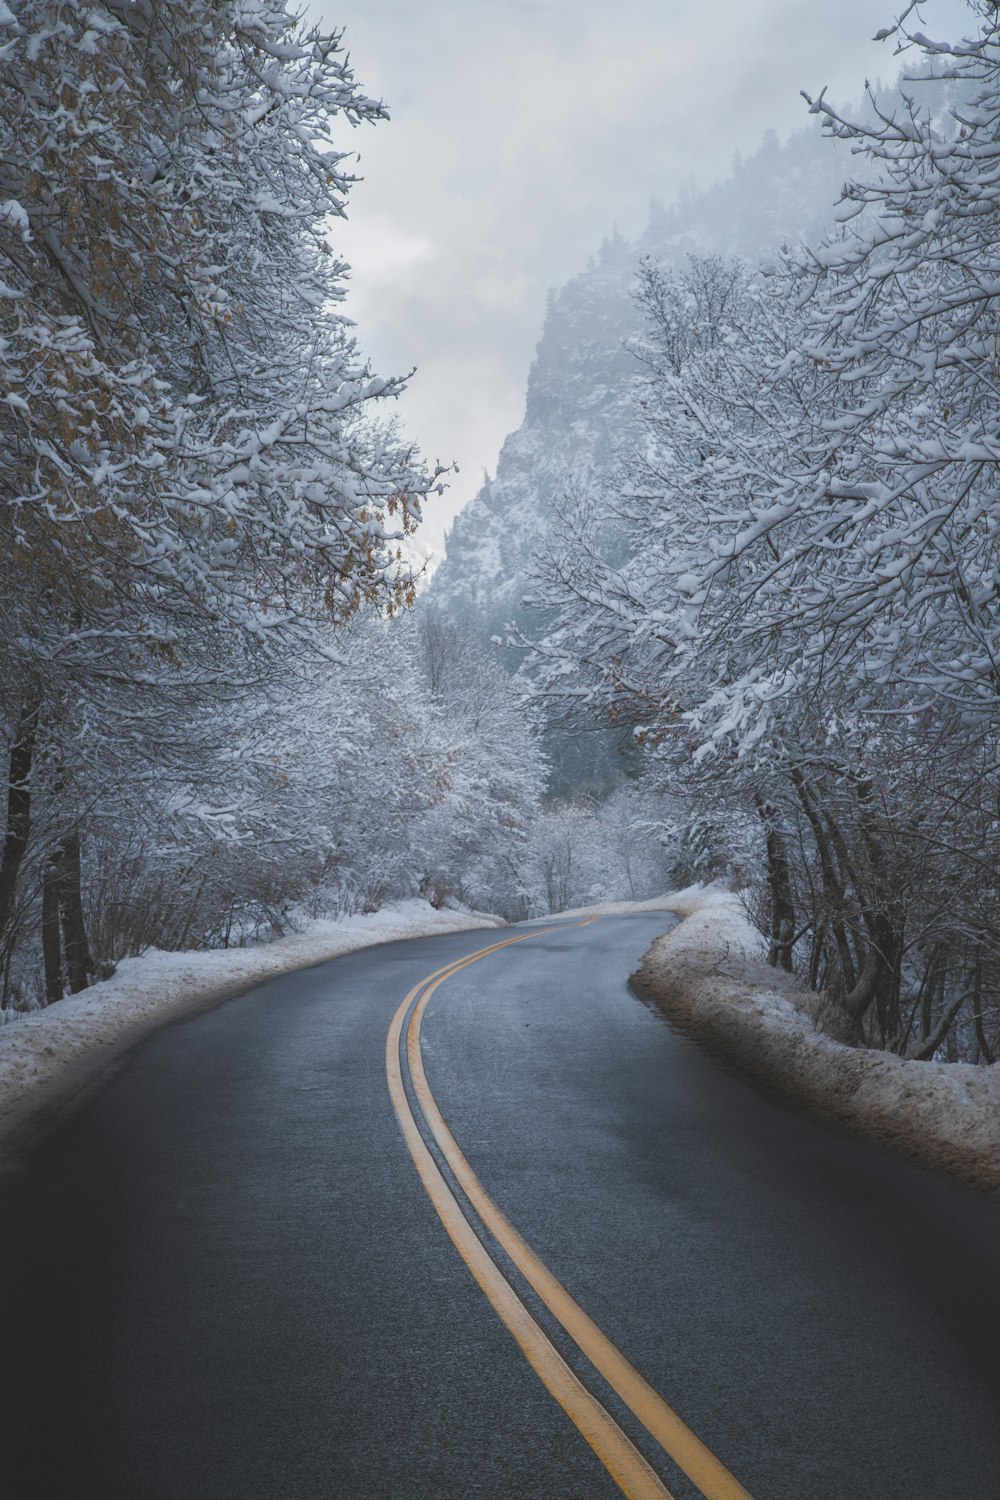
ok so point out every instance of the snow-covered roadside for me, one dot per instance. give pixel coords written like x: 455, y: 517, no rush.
x: 50, y: 1057
x: 709, y: 975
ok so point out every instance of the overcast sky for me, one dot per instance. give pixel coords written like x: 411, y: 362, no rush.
x: 521, y: 132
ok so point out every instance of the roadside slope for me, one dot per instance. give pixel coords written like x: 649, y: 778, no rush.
x: 52, y: 1059
x: 709, y: 976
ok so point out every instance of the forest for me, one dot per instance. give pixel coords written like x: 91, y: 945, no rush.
x: 754, y: 637
x: 801, y: 625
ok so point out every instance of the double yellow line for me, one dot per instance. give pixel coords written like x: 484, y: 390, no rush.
x: 623, y: 1461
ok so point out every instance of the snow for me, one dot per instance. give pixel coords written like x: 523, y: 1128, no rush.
x: 615, y: 909
x: 48, y: 1056
x: 15, y: 214
x: 709, y: 974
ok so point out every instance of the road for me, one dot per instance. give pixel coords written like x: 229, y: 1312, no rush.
x: 225, y: 1278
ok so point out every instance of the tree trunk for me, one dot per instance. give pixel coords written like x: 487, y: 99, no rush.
x: 832, y: 887
x: 779, y: 882
x: 977, y: 1008
x: 18, y: 808
x: 63, y: 930
x: 941, y: 1031
x: 879, y: 978
x: 78, y: 962
x: 932, y: 987
x: 51, y: 946
x: 816, y: 955
x: 885, y: 915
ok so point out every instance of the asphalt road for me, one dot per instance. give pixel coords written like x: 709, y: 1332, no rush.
x: 224, y: 1279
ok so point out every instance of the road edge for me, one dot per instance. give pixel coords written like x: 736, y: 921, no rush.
x: 41, y: 1104
x: 940, y: 1116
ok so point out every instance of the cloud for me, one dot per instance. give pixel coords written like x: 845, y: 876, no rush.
x: 385, y: 252
x: 521, y: 132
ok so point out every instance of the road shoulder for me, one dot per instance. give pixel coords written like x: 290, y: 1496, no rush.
x: 709, y: 977
x: 52, y: 1060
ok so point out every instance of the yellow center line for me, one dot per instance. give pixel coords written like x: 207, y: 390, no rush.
x: 687, y: 1450
x: 619, y: 1456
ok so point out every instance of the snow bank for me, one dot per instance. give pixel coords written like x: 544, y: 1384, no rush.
x: 709, y: 975
x: 49, y: 1058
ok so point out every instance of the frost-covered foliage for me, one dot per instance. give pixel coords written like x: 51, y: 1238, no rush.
x: 408, y: 767
x: 581, y: 416
x: 184, y: 429
x: 201, y: 505
x: 623, y: 847
x: 469, y: 843
x: 805, y: 629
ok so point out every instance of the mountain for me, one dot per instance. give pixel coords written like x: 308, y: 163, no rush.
x: 580, y: 413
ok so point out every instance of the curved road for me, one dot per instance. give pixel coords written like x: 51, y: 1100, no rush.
x: 224, y: 1279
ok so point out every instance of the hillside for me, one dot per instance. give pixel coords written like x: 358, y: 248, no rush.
x: 579, y: 407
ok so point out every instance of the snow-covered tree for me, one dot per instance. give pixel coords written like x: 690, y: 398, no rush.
x: 192, y: 485
x: 470, y: 841
x: 620, y: 848
x: 805, y: 627
x: 184, y: 431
